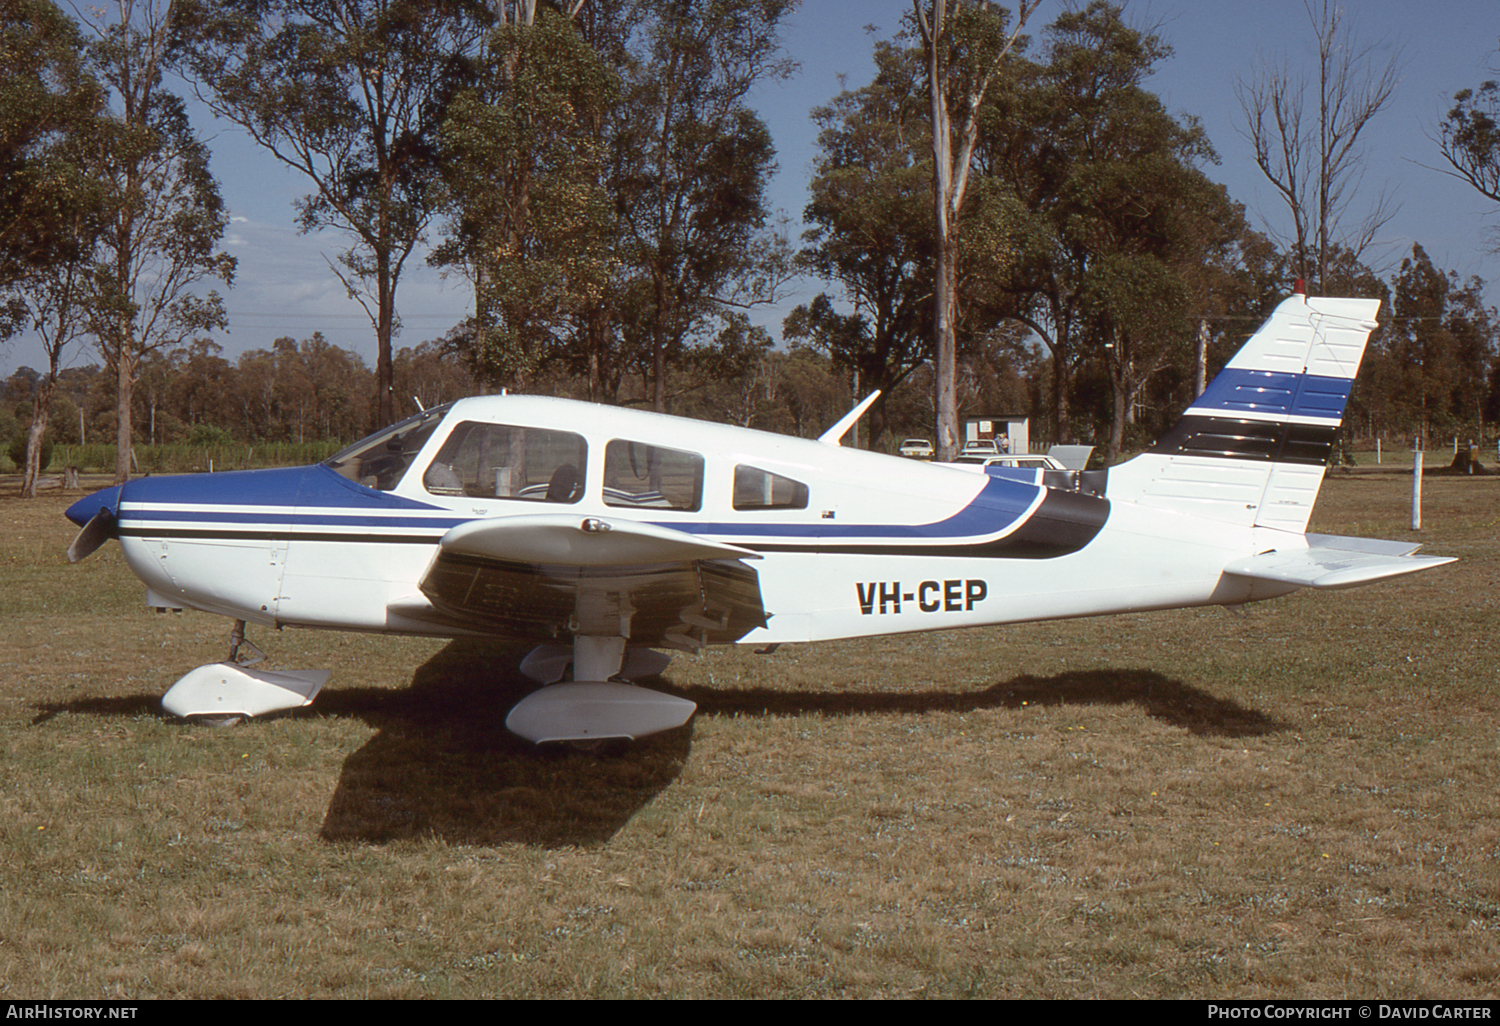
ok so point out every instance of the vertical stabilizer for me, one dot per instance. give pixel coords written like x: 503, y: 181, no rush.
x: 1252, y: 449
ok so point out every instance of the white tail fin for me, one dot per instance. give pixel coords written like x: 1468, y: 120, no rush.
x: 1252, y: 449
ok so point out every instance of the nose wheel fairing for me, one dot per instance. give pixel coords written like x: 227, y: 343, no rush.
x: 220, y: 690
x: 236, y: 688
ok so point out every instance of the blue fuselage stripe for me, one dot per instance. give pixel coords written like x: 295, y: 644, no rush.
x: 1000, y: 506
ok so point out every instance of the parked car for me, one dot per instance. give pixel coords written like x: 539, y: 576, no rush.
x: 916, y: 448
x: 1032, y: 462
x: 978, y: 461
x: 980, y: 447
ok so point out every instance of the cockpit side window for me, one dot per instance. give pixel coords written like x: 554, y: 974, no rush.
x: 642, y: 475
x: 381, y: 460
x: 501, y: 461
x: 760, y: 489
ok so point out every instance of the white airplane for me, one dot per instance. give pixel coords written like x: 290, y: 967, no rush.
x: 606, y: 534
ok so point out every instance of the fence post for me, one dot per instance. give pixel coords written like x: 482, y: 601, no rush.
x: 1416, y: 492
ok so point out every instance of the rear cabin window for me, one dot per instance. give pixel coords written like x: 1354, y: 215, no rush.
x: 499, y: 461
x: 653, y: 477
x: 761, y: 489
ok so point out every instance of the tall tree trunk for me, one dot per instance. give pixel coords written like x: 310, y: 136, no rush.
x: 1062, y: 413
x: 1200, y: 375
x: 39, y: 413
x: 124, y: 389
x: 385, y: 373
x: 659, y: 351
x: 1122, y: 397
x: 950, y: 174
x: 945, y: 354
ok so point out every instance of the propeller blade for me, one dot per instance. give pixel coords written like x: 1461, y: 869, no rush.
x: 99, y: 529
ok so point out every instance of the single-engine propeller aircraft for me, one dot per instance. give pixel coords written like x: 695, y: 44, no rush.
x: 607, y: 534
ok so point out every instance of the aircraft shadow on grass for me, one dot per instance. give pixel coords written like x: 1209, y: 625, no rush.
x: 444, y: 765
x: 1160, y: 697
x: 441, y: 763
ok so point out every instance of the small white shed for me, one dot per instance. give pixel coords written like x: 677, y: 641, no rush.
x: 1010, y: 431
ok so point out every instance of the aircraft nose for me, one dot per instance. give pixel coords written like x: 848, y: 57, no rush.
x: 82, y: 511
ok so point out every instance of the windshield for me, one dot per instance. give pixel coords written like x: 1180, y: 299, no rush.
x: 381, y: 460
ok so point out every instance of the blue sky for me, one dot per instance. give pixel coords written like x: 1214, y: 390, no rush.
x: 284, y: 286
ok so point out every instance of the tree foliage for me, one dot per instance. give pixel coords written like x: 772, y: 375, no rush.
x: 50, y: 130
x: 689, y: 164
x: 1088, y: 219
x: 1428, y: 367
x: 48, y: 107
x: 1470, y: 138
x: 870, y: 229
x: 529, y: 220
x: 1121, y: 241
x: 632, y: 221
x: 352, y: 94
x: 162, y: 214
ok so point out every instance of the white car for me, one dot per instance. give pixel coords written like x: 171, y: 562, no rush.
x: 978, y: 461
x: 980, y: 447
x: 916, y: 448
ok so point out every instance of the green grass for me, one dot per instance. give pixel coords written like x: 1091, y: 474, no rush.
x: 1297, y: 802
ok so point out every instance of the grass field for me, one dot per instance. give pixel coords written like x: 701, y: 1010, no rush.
x: 1298, y: 801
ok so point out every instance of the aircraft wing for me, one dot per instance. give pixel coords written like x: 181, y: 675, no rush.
x: 552, y: 577
x: 1332, y: 562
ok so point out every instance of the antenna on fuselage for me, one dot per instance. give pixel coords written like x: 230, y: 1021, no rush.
x: 835, y: 435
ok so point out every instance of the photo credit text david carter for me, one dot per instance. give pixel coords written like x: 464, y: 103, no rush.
x: 1354, y: 1010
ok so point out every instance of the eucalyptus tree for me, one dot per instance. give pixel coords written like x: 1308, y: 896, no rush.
x: 163, y: 216
x: 1474, y: 328
x: 1470, y: 138
x: 50, y: 197
x: 604, y: 185
x: 528, y: 218
x: 204, y: 386
x: 870, y: 229
x: 55, y: 299
x: 1308, y: 128
x: 689, y: 163
x: 965, y: 50
x: 49, y: 102
x: 1434, y: 353
x: 1119, y: 241
x: 351, y: 93
x: 1152, y: 238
